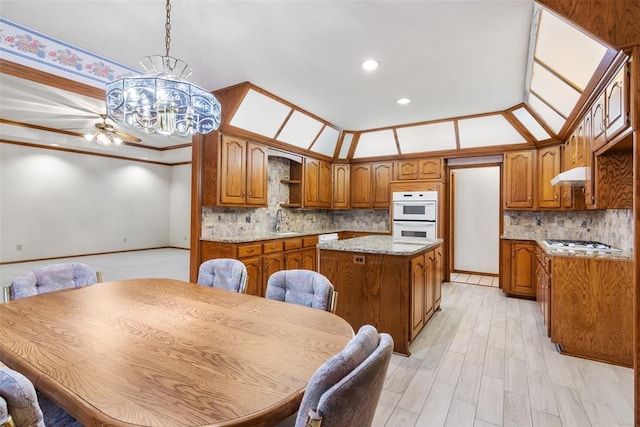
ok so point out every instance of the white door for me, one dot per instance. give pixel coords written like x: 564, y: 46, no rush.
x: 476, y: 219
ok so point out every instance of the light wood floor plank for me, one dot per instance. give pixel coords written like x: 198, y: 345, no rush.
x: 491, y: 400
x: 461, y: 414
x: 436, y: 407
x: 517, y: 412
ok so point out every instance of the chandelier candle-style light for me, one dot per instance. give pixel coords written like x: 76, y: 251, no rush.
x: 163, y: 101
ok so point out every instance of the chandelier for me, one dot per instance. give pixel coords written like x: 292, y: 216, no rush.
x: 162, y: 100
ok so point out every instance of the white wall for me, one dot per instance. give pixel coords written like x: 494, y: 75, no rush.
x: 55, y: 203
x: 477, y: 219
x: 180, y: 206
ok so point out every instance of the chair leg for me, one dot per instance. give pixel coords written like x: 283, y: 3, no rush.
x: 8, y: 422
x: 6, y: 294
x: 334, y: 302
x: 99, y: 276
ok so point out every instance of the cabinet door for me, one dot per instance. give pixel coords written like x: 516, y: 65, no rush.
x: 361, y: 186
x: 430, y: 278
x: 407, y: 169
x: 437, y: 289
x: 616, y: 104
x: 566, y: 192
x: 598, y: 118
x: 518, y: 184
x: 430, y: 168
x: 233, y: 171
x: 256, y: 174
x: 418, y: 288
x: 523, y: 268
x: 292, y: 261
x: 324, y: 185
x: 588, y: 163
x: 340, y: 186
x: 254, y: 275
x: 270, y: 265
x: 308, y: 259
x: 548, y: 167
x: 380, y: 185
x: 311, y: 181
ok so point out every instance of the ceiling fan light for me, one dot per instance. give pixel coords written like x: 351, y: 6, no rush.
x: 89, y: 136
x: 117, y: 140
x: 103, y: 139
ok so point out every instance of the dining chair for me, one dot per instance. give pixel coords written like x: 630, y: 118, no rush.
x: 345, y: 390
x: 52, y: 278
x: 302, y: 287
x: 224, y: 273
x: 22, y: 405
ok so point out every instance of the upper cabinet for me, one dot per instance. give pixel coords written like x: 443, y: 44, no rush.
x: 617, y: 103
x: 370, y: 185
x: 234, y: 170
x: 548, y: 167
x: 431, y: 168
x: 518, y: 179
x: 243, y: 172
x: 317, y: 183
x: 340, y: 186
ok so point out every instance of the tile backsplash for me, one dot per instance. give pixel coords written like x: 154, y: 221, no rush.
x: 217, y: 222
x: 611, y: 226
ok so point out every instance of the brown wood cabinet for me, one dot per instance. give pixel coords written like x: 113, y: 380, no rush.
x: 263, y: 258
x: 548, y: 167
x: 370, y: 185
x: 426, y: 282
x: 543, y: 286
x: 386, y: 291
x: 243, y: 172
x: 617, y: 103
x: 518, y: 262
x: 413, y: 169
x: 592, y: 308
x: 340, y: 186
x: 317, y: 183
x: 519, y: 169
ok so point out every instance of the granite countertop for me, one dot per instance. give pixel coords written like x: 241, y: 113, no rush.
x: 379, y: 245
x: 621, y: 255
x: 271, y: 235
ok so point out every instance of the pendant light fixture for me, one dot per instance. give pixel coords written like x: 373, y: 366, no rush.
x: 162, y: 100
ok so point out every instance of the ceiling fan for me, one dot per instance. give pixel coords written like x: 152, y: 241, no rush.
x: 106, y: 134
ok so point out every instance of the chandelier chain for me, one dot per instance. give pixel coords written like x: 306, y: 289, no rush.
x: 167, y: 28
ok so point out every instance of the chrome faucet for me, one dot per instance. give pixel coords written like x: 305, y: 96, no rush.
x: 279, y: 218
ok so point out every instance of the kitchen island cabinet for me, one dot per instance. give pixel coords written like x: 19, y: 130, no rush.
x: 392, y: 286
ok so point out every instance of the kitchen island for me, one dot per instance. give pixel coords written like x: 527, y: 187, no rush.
x: 394, y: 286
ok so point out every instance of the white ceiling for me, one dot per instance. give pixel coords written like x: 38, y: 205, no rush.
x: 452, y: 58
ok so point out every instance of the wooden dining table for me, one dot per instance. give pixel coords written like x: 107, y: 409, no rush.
x: 162, y: 352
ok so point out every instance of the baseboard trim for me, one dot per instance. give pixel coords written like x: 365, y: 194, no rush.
x: 91, y: 254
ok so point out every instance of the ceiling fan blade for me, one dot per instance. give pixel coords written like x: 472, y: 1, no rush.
x: 127, y: 136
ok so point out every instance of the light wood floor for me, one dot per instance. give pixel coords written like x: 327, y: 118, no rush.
x: 475, y: 279
x: 485, y: 360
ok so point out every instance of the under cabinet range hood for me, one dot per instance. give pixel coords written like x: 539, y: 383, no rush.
x: 574, y: 177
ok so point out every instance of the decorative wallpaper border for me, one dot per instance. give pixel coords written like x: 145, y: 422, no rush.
x: 27, y: 47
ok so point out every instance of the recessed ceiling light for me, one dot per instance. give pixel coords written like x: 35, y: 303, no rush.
x: 403, y: 101
x: 370, y: 65
x: 54, y: 145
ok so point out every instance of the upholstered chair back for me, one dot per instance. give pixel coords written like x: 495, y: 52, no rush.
x: 302, y: 287
x: 52, y: 278
x: 345, y: 390
x: 223, y: 273
x: 18, y: 399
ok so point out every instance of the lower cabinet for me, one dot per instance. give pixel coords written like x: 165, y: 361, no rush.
x: 426, y: 282
x: 517, y: 267
x: 263, y: 258
x: 543, y: 287
x: 395, y: 293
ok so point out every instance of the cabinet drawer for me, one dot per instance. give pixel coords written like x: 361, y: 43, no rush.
x: 291, y: 244
x: 249, y: 250
x: 309, y: 241
x: 272, y: 246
